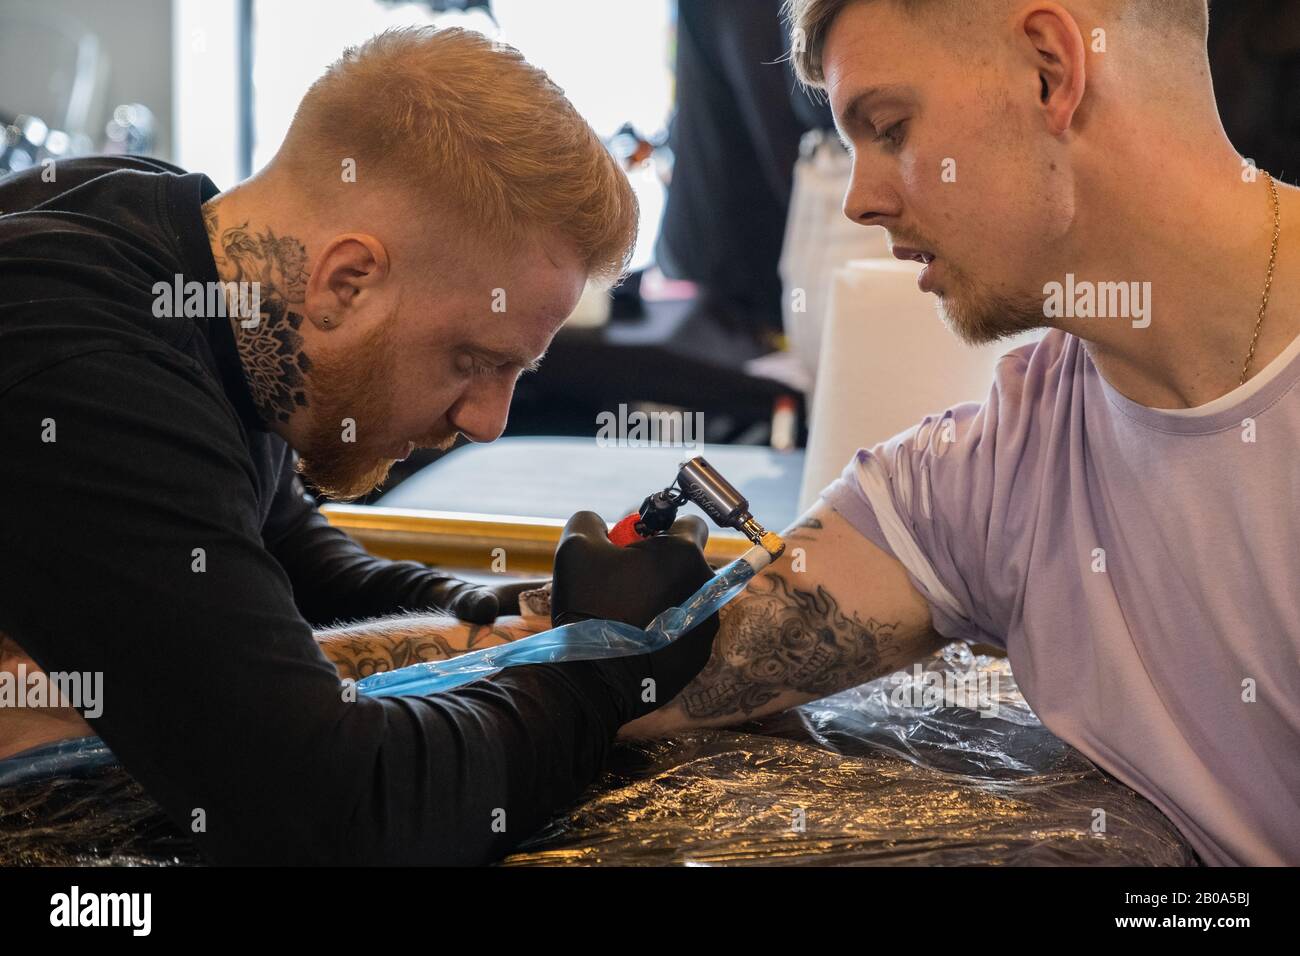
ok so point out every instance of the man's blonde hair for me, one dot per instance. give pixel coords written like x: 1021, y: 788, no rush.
x: 468, y: 128
x: 811, y: 21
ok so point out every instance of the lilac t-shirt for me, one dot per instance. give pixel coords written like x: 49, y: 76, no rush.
x: 1140, y: 566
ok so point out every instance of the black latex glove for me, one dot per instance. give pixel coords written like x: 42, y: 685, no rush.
x: 594, y: 578
x: 479, y: 603
x: 508, y: 593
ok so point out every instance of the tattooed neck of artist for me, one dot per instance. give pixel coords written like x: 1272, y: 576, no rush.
x: 270, y: 342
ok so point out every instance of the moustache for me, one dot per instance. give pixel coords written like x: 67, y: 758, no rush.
x: 439, y: 441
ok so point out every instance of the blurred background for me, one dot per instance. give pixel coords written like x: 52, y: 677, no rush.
x: 748, y: 287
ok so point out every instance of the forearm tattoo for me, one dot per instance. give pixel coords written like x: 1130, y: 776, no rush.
x: 356, y: 658
x: 779, y: 639
x: 782, y: 639
x: 384, y: 645
x: 272, y: 350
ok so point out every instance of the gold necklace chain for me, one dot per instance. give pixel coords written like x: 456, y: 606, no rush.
x: 1268, y: 283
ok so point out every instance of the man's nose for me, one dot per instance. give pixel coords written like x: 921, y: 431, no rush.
x: 869, y: 200
x: 481, y: 413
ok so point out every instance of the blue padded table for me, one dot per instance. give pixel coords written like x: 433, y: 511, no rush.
x: 554, y: 477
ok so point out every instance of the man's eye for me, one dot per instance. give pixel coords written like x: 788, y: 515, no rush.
x: 894, y: 135
x: 468, y: 364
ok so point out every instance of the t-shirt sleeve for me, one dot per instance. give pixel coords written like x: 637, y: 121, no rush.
x: 935, y: 497
x: 132, y: 551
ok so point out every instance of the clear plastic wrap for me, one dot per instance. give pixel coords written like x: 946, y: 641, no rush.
x: 71, y: 804
x: 860, y: 779
x: 868, y: 776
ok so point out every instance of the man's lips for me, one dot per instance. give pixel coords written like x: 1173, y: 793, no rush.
x: 914, y: 255
x: 924, y: 281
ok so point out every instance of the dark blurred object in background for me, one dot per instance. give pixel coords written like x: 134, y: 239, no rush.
x: 131, y: 130
x: 28, y: 140
x: 52, y: 86
x: 1255, y: 60
x: 52, y: 67
x: 54, y: 78
x: 735, y: 139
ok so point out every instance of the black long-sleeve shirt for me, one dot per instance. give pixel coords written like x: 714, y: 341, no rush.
x: 154, y: 532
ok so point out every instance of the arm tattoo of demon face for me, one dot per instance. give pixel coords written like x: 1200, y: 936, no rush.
x: 781, y: 638
x: 271, y: 350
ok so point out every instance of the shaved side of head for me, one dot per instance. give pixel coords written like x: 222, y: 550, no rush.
x: 1176, y: 22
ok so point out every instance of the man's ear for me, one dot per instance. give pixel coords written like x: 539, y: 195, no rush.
x: 349, y: 266
x: 1054, y: 46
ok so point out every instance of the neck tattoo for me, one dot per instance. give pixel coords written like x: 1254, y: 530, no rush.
x: 271, y: 352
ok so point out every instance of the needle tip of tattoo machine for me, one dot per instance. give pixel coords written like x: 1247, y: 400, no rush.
x: 771, y: 543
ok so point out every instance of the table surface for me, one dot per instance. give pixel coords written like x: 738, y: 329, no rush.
x: 555, y: 477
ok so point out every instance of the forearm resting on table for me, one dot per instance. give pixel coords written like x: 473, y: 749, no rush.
x: 384, y: 644
x: 834, y: 612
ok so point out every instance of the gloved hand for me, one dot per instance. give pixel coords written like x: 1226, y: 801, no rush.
x: 480, y: 603
x: 594, y: 578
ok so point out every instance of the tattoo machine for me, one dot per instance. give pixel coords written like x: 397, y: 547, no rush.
x: 701, y: 483
x: 697, y: 481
